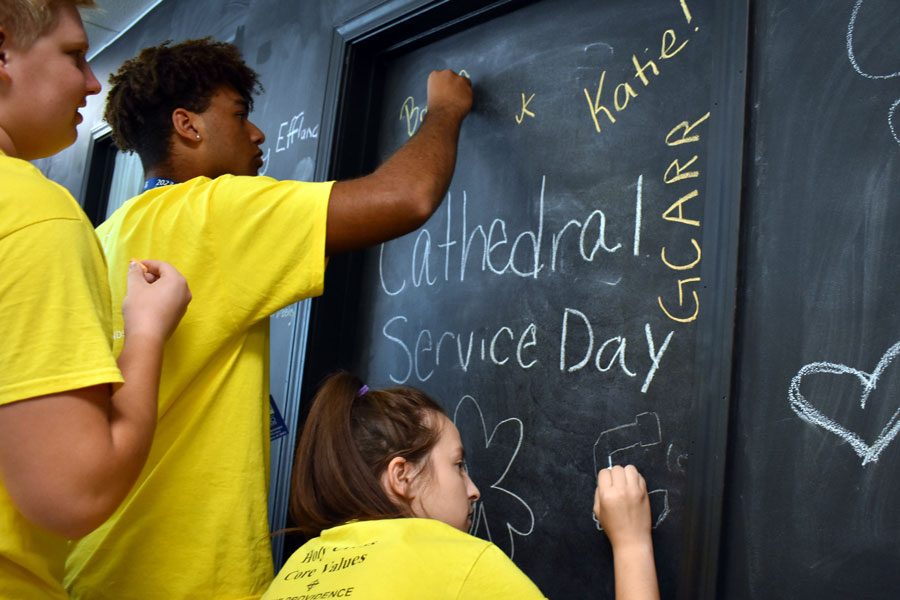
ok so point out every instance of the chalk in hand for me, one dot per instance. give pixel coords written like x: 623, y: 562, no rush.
x: 142, y: 265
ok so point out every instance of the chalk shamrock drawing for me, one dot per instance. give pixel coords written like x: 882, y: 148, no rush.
x: 869, y: 453
x: 492, y: 460
x: 851, y: 29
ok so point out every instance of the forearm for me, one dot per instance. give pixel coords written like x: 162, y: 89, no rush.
x: 635, y: 572
x: 112, y: 461
x: 133, y: 408
x: 425, y: 164
x: 401, y: 194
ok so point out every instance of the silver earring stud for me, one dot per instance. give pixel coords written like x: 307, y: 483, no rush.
x: 198, y: 136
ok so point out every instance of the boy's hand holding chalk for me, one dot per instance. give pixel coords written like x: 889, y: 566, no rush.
x: 150, y: 277
x: 155, y: 309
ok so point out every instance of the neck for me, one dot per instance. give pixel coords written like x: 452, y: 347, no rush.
x: 161, y: 172
x: 6, y: 144
x: 177, y: 168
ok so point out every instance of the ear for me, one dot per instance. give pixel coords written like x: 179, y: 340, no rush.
x: 397, y: 480
x: 188, y: 125
x: 4, y: 46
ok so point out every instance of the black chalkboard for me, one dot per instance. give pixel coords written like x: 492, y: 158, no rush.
x: 541, y: 303
x: 813, y: 477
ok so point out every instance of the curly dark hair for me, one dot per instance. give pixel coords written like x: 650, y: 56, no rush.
x: 148, y: 88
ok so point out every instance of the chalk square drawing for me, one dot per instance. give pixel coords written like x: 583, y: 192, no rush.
x: 467, y: 415
x: 644, y: 432
x: 869, y: 453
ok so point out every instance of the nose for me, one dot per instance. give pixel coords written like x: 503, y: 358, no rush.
x: 256, y: 134
x: 472, y: 489
x: 91, y: 84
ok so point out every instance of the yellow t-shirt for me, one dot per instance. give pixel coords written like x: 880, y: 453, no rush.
x: 195, y: 524
x: 55, y: 335
x: 399, y: 559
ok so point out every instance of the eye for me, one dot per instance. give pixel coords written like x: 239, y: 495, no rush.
x: 462, y: 466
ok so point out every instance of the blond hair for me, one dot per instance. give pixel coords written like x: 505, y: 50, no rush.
x: 26, y: 20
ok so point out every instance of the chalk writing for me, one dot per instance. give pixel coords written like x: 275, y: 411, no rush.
x: 293, y: 130
x: 675, y: 460
x: 685, y: 10
x: 419, y: 353
x: 412, y: 115
x: 869, y: 453
x: 498, y: 346
x: 481, y: 523
x: 638, y: 207
x: 290, y: 133
x: 611, y: 350
x: 493, y: 249
x: 525, y: 112
x: 676, y: 173
x: 624, y: 92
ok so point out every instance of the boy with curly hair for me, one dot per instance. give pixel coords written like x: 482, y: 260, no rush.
x: 196, y: 523
x: 73, y: 435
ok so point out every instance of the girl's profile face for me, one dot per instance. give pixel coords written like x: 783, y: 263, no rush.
x: 445, y: 491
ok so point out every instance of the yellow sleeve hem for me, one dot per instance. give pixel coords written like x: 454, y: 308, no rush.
x: 57, y: 384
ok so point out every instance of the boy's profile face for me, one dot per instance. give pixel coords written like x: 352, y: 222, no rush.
x: 232, y: 140
x: 43, y: 86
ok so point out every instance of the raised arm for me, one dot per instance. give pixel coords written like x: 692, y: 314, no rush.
x: 622, y: 507
x: 68, y: 459
x: 402, y: 193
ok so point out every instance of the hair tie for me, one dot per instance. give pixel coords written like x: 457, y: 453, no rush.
x: 362, y: 391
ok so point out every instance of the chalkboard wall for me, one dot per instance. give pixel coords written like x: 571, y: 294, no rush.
x: 535, y: 305
x: 813, y: 474
x: 629, y: 265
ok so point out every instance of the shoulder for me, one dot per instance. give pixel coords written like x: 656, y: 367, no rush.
x: 483, y: 569
x: 260, y: 186
x: 408, y: 532
x: 495, y: 575
x: 430, y: 535
x: 27, y: 197
x: 432, y: 528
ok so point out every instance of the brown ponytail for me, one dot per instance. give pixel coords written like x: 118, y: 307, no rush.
x: 348, y: 441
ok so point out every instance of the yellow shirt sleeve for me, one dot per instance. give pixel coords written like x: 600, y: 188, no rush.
x: 269, y: 241
x: 56, y: 326
x: 494, y: 577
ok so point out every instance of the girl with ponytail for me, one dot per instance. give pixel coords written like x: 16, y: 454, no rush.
x: 380, y: 485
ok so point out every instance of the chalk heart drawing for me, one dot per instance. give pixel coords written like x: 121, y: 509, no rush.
x: 869, y: 453
x: 468, y: 411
